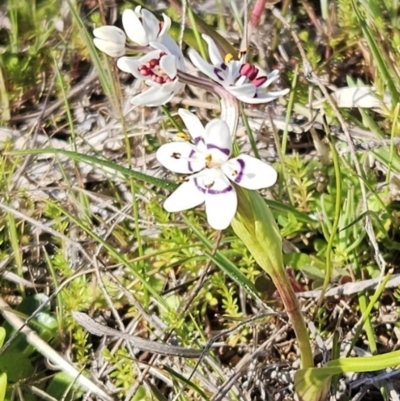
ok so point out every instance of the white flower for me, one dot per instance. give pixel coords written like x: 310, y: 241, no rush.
x: 245, y: 81
x: 158, y: 69
x: 110, y: 40
x: 142, y: 27
x: 212, y: 172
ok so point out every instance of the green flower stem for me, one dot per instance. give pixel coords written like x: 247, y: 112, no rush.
x: 292, y: 307
x: 255, y: 225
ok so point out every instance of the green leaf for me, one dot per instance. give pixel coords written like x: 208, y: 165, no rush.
x: 3, y: 386
x: 44, y: 324
x: 16, y: 365
x: 2, y: 336
x: 62, y: 387
x: 95, y: 161
x: 312, y: 384
x: 256, y: 227
x: 254, y: 224
x: 290, y: 210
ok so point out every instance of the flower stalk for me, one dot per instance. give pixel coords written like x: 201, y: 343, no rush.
x: 255, y: 225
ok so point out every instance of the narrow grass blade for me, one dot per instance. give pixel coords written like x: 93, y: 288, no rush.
x: 95, y: 161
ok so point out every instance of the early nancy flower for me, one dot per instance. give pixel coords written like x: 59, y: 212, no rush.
x: 140, y: 26
x: 246, y: 82
x: 212, y: 172
x: 110, y: 40
x: 158, y: 69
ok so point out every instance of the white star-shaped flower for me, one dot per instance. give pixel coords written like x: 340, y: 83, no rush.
x: 246, y: 82
x: 141, y: 27
x: 158, y: 69
x: 206, y: 158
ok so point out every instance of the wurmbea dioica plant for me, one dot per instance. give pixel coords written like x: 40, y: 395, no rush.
x: 226, y: 185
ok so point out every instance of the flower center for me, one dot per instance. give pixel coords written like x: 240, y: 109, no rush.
x: 153, y: 70
x: 250, y: 71
x: 210, y: 162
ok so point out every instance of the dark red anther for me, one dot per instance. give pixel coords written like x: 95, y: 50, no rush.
x: 249, y: 71
x: 160, y: 80
x: 144, y: 71
x: 154, y: 62
x: 259, y: 81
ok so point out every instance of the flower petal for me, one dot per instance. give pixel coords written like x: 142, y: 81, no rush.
x: 168, y: 65
x: 218, y: 140
x: 131, y: 65
x: 221, y: 203
x: 151, y: 25
x: 134, y: 28
x: 244, y: 90
x: 157, y: 94
x: 181, y: 157
x: 109, y: 48
x: 110, y: 40
x: 110, y: 33
x: 249, y: 172
x: 271, y: 77
x: 165, y: 25
x: 264, y: 97
x: 215, y: 56
x: 194, y: 126
x: 212, y: 72
x: 233, y: 70
x: 185, y: 197
x: 169, y: 46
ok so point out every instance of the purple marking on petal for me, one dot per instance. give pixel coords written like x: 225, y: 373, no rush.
x: 210, y: 191
x: 216, y: 72
x: 223, y: 150
x: 198, y: 139
x: 224, y: 66
x: 239, y: 176
x: 192, y: 152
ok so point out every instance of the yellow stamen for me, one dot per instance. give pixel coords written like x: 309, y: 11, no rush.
x: 228, y: 57
x: 208, y: 160
x: 183, y: 136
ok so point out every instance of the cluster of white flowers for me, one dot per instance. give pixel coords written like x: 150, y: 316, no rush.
x: 206, y: 159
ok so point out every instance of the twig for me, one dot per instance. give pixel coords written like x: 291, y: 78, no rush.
x: 352, y: 288
x: 372, y: 145
x: 144, y: 345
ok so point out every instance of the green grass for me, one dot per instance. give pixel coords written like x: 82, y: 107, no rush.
x: 85, y: 225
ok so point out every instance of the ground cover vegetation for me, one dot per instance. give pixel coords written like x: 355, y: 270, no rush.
x: 279, y: 279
